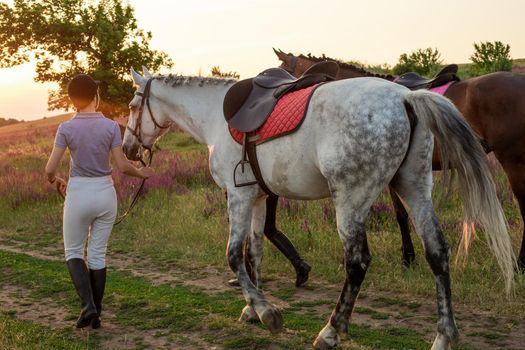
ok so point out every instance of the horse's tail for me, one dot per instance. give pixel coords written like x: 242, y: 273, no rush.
x: 460, y: 151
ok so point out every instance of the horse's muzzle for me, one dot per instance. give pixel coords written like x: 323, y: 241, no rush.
x: 131, y: 152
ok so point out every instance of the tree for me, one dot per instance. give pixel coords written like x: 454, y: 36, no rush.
x: 66, y: 37
x: 491, y: 57
x: 216, y: 72
x: 422, y: 61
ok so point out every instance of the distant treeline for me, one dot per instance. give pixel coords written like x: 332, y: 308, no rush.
x: 486, y: 58
x: 4, y: 122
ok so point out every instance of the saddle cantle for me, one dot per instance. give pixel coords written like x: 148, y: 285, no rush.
x: 249, y: 102
x: 414, y: 81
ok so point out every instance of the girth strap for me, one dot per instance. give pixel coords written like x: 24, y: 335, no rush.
x: 250, y: 148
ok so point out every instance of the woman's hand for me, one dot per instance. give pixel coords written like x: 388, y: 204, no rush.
x: 61, y: 185
x: 146, y: 172
x: 124, y: 165
x: 53, y: 162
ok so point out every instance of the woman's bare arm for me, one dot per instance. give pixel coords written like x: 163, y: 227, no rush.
x: 123, y: 164
x: 53, y: 162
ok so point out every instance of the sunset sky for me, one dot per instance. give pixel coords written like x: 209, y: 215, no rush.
x: 239, y: 36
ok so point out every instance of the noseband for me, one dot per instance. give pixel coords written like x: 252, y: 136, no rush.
x: 145, y: 100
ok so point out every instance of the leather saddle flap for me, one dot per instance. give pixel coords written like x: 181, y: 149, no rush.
x: 255, y: 109
x: 236, y: 96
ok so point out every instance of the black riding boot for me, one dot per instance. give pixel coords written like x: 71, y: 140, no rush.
x: 286, y: 247
x: 98, y: 284
x: 80, y: 277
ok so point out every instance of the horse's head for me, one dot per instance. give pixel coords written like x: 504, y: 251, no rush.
x: 148, y: 116
x: 295, y: 65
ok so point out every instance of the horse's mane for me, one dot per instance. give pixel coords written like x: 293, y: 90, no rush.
x: 178, y: 80
x: 345, y: 65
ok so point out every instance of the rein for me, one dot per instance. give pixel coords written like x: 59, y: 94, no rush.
x: 139, y: 191
x: 136, y: 132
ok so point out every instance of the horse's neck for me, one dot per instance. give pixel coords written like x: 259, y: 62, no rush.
x: 350, y: 73
x: 198, y: 111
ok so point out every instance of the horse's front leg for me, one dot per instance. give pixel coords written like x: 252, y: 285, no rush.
x: 242, y: 205
x: 253, y: 254
x: 255, y: 243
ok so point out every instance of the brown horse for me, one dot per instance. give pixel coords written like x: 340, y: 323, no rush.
x: 493, y: 105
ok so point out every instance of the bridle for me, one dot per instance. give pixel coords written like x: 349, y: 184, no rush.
x: 138, y: 126
x: 136, y: 132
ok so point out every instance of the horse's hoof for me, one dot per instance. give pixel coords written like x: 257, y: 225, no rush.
x: 234, y: 282
x: 271, y: 317
x: 249, y: 315
x: 328, y: 338
x: 441, y: 343
x: 408, y: 260
x: 521, y: 265
x: 320, y: 344
x: 302, y: 272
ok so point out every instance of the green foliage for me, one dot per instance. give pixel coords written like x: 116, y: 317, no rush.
x: 67, y: 37
x: 216, y: 72
x: 18, y: 334
x: 491, y: 57
x: 383, y: 68
x: 422, y: 61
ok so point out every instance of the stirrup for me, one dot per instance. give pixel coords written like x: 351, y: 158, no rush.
x: 242, y: 163
x: 244, y: 160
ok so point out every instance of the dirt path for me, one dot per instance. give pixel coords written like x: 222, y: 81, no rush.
x: 481, y: 330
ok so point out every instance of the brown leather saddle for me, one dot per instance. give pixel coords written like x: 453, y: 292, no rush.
x: 414, y: 81
x: 249, y: 103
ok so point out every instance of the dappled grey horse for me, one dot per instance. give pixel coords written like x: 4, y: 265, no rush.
x: 358, y: 136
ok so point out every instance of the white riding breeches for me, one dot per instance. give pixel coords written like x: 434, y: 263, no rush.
x: 89, y: 214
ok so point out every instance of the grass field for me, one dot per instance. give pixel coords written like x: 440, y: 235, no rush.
x: 168, y: 271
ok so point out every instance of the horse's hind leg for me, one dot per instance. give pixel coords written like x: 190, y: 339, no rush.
x: 351, y: 219
x: 402, y: 219
x: 413, y: 183
x: 282, y: 242
x: 437, y: 255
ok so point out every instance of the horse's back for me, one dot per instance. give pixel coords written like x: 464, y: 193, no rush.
x: 494, y: 105
x: 356, y: 128
x: 370, y: 133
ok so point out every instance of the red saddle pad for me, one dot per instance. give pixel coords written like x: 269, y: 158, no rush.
x: 286, y: 117
x: 442, y: 89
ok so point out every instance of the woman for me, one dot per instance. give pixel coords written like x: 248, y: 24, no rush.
x: 90, y: 208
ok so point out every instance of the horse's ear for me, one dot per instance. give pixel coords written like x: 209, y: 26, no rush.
x: 146, y: 73
x: 138, y: 80
x: 281, y: 55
